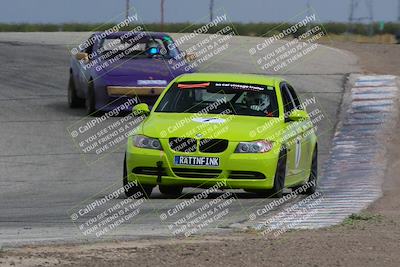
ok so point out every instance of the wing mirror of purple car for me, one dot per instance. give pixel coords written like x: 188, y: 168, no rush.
x: 82, y: 56
x: 297, y: 115
x: 140, y: 110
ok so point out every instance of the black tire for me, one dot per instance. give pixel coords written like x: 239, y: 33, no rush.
x: 134, y: 189
x: 171, y: 190
x: 90, y: 102
x: 279, y: 180
x: 313, y: 174
x: 73, y: 100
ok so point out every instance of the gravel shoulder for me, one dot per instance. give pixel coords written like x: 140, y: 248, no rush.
x: 368, y: 239
x: 373, y: 58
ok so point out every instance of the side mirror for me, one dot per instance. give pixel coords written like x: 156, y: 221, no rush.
x: 141, y: 109
x: 190, y: 57
x: 298, y: 115
x: 82, y: 55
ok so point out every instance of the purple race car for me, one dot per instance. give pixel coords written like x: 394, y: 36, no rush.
x: 121, y: 69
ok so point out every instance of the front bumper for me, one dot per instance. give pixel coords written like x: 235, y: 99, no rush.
x: 133, y: 91
x: 124, y: 98
x: 236, y: 171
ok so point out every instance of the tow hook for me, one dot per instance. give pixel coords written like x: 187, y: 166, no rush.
x: 159, y: 171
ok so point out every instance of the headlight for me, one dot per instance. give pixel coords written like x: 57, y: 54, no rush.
x: 146, y: 142
x: 254, y: 147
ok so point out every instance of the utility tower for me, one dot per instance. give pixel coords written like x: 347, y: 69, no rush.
x: 369, y: 17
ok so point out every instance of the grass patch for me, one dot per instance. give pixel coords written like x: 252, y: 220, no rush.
x: 356, y: 218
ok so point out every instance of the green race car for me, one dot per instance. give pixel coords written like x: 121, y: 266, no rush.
x: 237, y: 131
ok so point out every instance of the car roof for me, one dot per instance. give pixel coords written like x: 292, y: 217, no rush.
x: 230, y: 77
x: 120, y: 33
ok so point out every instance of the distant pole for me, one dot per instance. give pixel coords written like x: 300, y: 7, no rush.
x: 212, y: 10
x: 370, y: 7
x: 127, y: 10
x: 308, y: 7
x: 351, y: 13
x: 398, y: 11
x: 398, y: 19
x: 162, y: 15
x: 308, y: 12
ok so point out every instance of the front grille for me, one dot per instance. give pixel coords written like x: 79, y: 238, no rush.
x: 196, y: 173
x: 246, y: 175
x: 213, y: 145
x: 183, y: 144
x: 148, y: 171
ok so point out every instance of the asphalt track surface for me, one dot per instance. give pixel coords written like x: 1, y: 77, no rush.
x: 42, y: 174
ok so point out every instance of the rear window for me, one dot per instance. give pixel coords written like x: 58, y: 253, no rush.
x: 136, y: 47
x: 220, y: 97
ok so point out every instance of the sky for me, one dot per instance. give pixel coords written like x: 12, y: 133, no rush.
x: 96, y: 11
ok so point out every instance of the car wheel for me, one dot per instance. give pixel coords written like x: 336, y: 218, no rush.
x: 313, y: 179
x: 133, y: 189
x: 279, y: 180
x: 90, y: 99
x: 73, y: 100
x: 170, y: 190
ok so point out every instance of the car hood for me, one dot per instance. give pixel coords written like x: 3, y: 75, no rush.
x: 231, y: 127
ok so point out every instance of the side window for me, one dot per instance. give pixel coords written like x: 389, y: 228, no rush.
x: 89, y: 49
x: 287, y: 99
x: 296, y: 99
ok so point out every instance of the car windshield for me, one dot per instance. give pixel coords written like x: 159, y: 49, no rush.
x: 220, y: 98
x: 145, y: 47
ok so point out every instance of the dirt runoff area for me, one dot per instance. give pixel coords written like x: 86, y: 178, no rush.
x: 370, y: 238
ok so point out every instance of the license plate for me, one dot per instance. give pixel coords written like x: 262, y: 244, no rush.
x: 196, y: 161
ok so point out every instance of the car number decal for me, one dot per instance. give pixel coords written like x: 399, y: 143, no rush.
x: 152, y: 82
x: 196, y: 161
